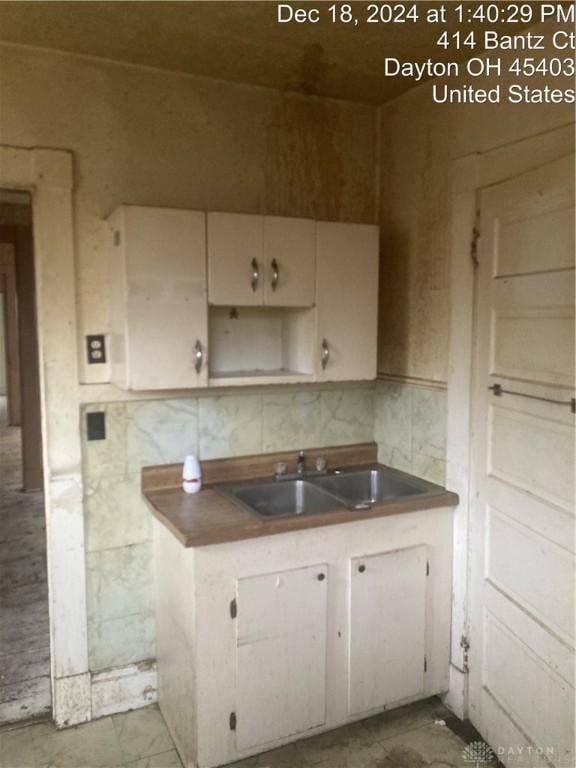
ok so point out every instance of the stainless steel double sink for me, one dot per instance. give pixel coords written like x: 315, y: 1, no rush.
x: 354, y: 489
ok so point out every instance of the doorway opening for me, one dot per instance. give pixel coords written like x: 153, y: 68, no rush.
x: 24, y: 620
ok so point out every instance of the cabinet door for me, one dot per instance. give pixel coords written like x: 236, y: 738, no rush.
x: 387, y: 628
x: 165, y: 298
x: 235, y: 265
x: 347, y: 301
x: 290, y: 262
x: 280, y: 655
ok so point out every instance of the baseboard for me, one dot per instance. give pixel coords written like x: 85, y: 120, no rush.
x: 71, y: 700
x: 124, y: 688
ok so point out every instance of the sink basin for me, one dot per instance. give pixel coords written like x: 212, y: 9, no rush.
x: 354, y: 489
x: 290, y: 497
x: 366, y: 487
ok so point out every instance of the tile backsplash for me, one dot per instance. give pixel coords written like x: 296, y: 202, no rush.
x: 410, y: 429
x: 118, y: 523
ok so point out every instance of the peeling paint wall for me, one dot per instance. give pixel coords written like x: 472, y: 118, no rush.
x: 419, y: 141
x: 304, y: 149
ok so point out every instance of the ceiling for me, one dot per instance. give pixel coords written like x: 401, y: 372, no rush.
x: 237, y: 41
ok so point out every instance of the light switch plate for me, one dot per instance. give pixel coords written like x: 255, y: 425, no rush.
x: 96, y: 426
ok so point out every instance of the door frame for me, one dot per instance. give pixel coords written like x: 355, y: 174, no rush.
x: 19, y: 235
x: 12, y: 336
x: 470, y: 174
x: 48, y: 175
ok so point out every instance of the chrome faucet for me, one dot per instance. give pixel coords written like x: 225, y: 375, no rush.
x: 301, y: 472
x: 300, y: 464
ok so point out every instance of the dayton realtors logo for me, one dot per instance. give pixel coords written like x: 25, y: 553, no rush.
x: 478, y: 753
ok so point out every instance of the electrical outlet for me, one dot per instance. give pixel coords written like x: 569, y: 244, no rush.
x: 96, y: 349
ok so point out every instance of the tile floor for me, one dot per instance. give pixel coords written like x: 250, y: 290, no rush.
x: 415, y: 736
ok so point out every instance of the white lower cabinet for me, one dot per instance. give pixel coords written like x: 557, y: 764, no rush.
x: 387, y: 628
x: 266, y: 641
x: 280, y: 655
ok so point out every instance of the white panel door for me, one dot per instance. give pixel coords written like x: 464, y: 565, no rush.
x: 522, y: 529
x: 280, y: 655
x: 235, y: 259
x: 347, y: 301
x: 289, y: 262
x: 165, y: 300
x: 387, y: 628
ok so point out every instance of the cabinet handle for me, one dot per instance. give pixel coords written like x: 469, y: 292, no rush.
x: 198, y: 356
x: 255, y: 274
x: 361, y: 568
x: 275, y: 274
x: 325, y: 354
x: 321, y: 576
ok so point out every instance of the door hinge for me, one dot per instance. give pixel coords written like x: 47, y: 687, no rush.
x: 427, y: 568
x: 474, y: 247
x: 465, y: 645
x: 233, y: 608
x: 425, y: 664
x: 232, y: 721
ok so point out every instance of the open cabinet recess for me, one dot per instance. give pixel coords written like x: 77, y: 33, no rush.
x: 264, y: 343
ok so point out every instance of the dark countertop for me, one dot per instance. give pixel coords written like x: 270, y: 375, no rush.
x: 209, y: 517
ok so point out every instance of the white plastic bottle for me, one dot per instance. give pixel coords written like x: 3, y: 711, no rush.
x: 191, y: 475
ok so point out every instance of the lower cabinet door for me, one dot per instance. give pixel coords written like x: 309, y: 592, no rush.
x: 280, y: 655
x: 387, y: 628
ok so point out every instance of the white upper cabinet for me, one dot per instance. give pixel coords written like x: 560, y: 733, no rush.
x: 223, y: 299
x: 235, y: 259
x: 158, y: 298
x: 260, y: 260
x: 347, y: 301
x: 289, y: 262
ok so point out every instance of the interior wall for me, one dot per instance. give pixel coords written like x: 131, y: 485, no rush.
x: 419, y: 141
